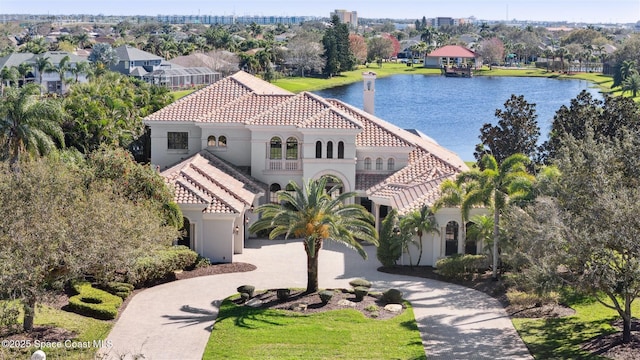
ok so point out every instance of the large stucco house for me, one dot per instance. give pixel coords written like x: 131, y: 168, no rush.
x: 233, y: 145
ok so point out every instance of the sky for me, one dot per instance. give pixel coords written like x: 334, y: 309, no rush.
x: 590, y: 11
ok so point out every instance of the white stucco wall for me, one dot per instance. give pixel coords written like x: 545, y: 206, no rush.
x: 161, y: 155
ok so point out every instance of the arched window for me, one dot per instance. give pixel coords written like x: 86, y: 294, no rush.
x: 340, y: 150
x: 451, y: 239
x: 331, y: 183
x: 222, y: 141
x: 211, y: 141
x: 379, y: 164
x: 292, y: 148
x: 367, y: 163
x: 273, y: 192
x: 391, y: 164
x: 289, y: 187
x: 275, y: 149
x: 318, y: 149
x: 329, y: 149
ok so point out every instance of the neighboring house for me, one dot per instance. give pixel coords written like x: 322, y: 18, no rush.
x: 452, y: 55
x: 155, y: 70
x: 51, y: 80
x: 233, y: 145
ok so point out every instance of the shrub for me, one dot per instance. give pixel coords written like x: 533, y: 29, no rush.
x: 283, y: 294
x: 372, y: 308
x: 392, y: 296
x: 202, y: 262
x: 244, y: 297
x: 529, y: 300
x: 360, y: 282
x: 152, y: 269
x: 460, y: 267
x: 9, y: 318
x: 360, y: 292
x: 93, y: 302
x: 325, y: 296
x: 247, y: 289
x: 120, y: 289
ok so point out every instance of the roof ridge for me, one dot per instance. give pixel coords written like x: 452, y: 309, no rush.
x: 255, y: 183
x: 218, y: 183
x: 213, y: 195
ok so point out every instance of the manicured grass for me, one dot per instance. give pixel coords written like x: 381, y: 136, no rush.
x: 298, y: 84
x: 246, y: 333
x: 181, y: 93
x: 561, y: 338
x: 87, y: 330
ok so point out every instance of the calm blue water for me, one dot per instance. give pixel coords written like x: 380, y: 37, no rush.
x: 452, y: 110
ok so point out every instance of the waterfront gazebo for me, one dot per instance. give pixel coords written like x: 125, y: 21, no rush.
x: 452, y: 56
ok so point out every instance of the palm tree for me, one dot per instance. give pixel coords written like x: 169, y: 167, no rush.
x: 43, y: 65
x: 81, y: 67
x: 419, y: 222
x: 316, y: 214
x: 632, y: 83
x: 63, y: 67
x: 458, y: 193
x: 499, y: 184
x: 24, y: 69
x: 561, y: 53
x: 481, y: 229
x: 28, y: 123
x: 8, y: 75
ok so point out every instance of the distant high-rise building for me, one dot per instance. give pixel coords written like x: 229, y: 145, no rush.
x: 442, y: 21
x: 348, y: 17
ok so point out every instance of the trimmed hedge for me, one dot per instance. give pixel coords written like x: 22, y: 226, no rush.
x: 122, y: 290
x: 360, y: 282
x: 159, y: 266
x: 247, y: 289
x: 360, y: 292
x: 325, y: 296
x: 392, y: 296
x: 93, y: 302
x: 460, y: 267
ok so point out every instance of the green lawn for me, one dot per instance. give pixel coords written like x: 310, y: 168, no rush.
x: 246, y: 333
x: 87, y: 330
x: 561, y: 338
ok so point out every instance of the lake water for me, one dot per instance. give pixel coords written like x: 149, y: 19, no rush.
x: 452, y: 110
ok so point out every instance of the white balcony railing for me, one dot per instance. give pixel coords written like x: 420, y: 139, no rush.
x: 283, y: 165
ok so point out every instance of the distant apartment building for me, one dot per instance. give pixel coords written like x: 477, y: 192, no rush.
x: 348, y: 17
x: 232, y: 19
x: 442, y: 21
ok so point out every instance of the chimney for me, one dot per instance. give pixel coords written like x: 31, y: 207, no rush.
x: 369, y: 91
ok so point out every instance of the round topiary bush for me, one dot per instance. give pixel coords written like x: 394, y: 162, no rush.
x: 392, y: 296
x: 325, y: 296
x: 244, y: 297
x: 360, y: 282
x: 247, y: 289
x: 360, y: 292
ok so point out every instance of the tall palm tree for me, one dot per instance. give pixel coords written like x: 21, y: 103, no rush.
x: 28, y: 123
x: 63, y: 68
x: 315, y: 214
x: 43, y: 65
x: 24, y: 69
x: 419, y: 222
x: 81, y: 67
x: 481, y: 229
x: 499, y: 184
x: 8, y: 75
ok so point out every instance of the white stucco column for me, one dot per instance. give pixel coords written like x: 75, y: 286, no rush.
x: 375, y: 209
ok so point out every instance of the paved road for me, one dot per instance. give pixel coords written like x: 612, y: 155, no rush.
x: 173, y: 321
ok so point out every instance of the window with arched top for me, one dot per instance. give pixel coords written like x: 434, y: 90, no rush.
x: 379, y: 164
x: 318, y: 149
x: 211, y: 141
x: 391, y: 164
x: 275, y: 148
x: 273, y: 192
x: 329, y: 149
x: 292, y: 148
x: 222, y: 141
x: 340, y: 150
x: 289, y: 187
x: 451, y: 238
x: 367, y: 163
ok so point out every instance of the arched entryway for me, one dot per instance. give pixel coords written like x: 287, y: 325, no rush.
x: 470, y: 244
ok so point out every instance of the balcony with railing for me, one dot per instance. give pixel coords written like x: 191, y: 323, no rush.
x: 283, y: 165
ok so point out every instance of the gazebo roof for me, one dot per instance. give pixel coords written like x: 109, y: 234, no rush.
x: 453, y: 51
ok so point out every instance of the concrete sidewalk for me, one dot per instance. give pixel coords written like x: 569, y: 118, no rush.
x: 174, y: 320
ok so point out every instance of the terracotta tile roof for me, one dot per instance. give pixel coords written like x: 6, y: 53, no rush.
x: 202, y: 104
x: 213, y: 183
x: 453, y: 51
x: 377, y: 132
x: 244, y: 108
x: 306, y: 110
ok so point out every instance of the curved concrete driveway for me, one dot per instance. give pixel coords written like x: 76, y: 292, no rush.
x: 174, y: 320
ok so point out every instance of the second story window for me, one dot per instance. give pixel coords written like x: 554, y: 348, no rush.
x: 292, y: 148
x: 367, y: 163
x: 330, y: 150
x: 211, y: 141
x: 275, y: 148
x: 222, y: 141
x: 318, y: 149
x: 379, y: 164
x: 178, y: 140
x: 340, y: 150
x: 391, y: 164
